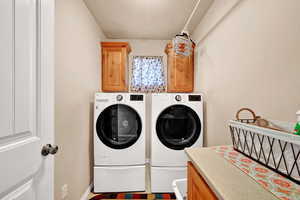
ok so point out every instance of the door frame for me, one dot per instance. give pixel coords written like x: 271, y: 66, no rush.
x: 45, y: 59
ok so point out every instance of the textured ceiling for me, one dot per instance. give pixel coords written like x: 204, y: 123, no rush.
x: 145, y: 19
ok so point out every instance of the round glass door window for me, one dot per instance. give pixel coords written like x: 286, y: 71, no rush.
x: 178, y: 127
x: 119, y: 126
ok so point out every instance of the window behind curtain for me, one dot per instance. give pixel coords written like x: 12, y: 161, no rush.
x: 148, y: 74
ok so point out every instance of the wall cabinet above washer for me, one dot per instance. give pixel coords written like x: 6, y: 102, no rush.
x: 180, y: 71
x: 115, y: 66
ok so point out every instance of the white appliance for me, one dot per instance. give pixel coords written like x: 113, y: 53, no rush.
x: 119, y: 142
x: 177, y: 123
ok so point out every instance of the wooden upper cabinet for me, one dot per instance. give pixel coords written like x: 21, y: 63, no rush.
x: 115, y: 66
x: 180, y: 71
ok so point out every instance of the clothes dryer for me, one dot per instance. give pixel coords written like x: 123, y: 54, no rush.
x: 177, y: 123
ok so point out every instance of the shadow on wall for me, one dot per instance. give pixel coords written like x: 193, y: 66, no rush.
x: 204, y: 125
x: 91, y: 143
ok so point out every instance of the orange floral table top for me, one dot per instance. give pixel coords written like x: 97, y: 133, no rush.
x: 278, y: 185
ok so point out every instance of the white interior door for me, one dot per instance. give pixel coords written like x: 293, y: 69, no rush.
x: 26, y: 101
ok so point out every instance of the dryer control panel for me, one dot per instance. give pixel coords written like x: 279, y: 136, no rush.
x: 194, y: 97
x: 136, y: 97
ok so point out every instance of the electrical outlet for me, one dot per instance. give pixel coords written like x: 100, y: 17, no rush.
x: 64, y: 191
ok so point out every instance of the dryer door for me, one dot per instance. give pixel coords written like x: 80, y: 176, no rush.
x: 178, y: 127
x: 119, y: 126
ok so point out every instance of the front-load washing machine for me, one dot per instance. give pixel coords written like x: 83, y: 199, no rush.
x: 119, y: 142
x: 177, y: 123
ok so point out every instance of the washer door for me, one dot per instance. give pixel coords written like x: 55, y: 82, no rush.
x: 178, y: 126
x: 119, y: 126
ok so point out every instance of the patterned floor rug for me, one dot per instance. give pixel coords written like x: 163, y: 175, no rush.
x: 113, y: 196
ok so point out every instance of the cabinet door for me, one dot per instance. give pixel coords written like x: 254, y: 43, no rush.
x: 181, y: 73
x: 197, y: 187
x: 114, y: 75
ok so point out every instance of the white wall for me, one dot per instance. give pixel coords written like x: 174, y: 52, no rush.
x: 251, y: 59
x: 77, y: 79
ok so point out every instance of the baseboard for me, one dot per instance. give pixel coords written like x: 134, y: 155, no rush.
x: 87, y: 192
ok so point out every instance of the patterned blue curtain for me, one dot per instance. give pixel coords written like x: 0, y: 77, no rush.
x: 148, y: 74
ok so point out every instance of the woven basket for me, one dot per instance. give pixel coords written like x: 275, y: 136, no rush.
x: 274, y: 147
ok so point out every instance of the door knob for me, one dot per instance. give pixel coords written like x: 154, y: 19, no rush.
x: 49, y: 149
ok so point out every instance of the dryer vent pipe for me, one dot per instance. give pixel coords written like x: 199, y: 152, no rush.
x: 185, y: 28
